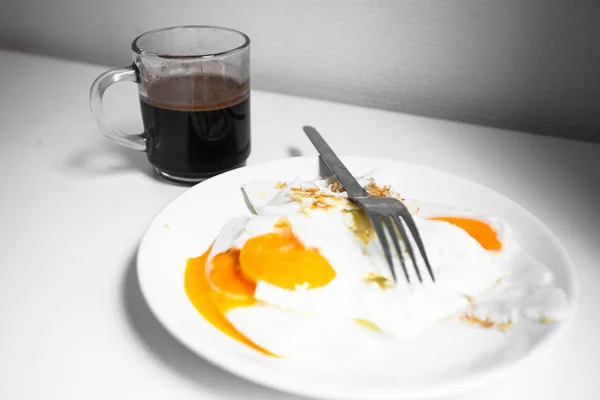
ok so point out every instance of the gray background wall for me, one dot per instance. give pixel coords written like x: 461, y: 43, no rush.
x: 522, y: 64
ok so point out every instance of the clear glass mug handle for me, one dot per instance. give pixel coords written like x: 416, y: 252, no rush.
x: 129, y: 74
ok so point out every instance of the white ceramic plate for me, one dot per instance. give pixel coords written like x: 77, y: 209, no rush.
x: 447, y: 360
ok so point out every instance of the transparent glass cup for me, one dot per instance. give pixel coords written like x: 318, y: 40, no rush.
x: 194, y: 89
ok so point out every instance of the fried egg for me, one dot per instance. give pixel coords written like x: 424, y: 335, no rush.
x: 307, y: 270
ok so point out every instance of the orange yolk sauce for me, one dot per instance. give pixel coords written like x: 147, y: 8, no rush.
x: 277, y: 258
x: 478, y: 230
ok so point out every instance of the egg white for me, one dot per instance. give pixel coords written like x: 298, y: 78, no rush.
x: 298, y: 322
x: 302, y: 319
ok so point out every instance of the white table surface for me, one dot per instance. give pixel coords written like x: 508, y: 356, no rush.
x: 74, y: 206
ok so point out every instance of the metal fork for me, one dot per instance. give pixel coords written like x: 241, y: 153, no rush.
x: 385, y: 214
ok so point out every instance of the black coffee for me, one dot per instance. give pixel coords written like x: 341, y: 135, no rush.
x: 196, y: 125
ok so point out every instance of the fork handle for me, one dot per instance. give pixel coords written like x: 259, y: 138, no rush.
x: 350, y: 185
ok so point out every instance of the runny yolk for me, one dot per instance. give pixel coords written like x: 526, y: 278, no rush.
x: 225, y: 275
x: 203, y: 298
x: 282, y: 260
x: 479, y: 230
x: 277, y: 258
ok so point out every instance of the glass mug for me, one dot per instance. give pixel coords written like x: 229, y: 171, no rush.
x: 194, y: 89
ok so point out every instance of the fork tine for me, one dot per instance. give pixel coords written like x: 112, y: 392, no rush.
x: 408, y: 245
x: 376, y: 222
x: 415, y: 232
x: 394, y: 236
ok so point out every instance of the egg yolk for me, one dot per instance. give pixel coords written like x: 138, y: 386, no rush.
x: 281, y: 260
x: 278, y: 258
x: 207, y: 301
x: 225, y: 276
x: 478, y: 230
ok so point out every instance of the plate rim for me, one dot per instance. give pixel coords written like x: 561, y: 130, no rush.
x: 453, y: 387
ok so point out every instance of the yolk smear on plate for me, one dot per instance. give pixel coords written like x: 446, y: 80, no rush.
x: 278, y: 258
x: 203, y: 298
x: 479, y: 230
